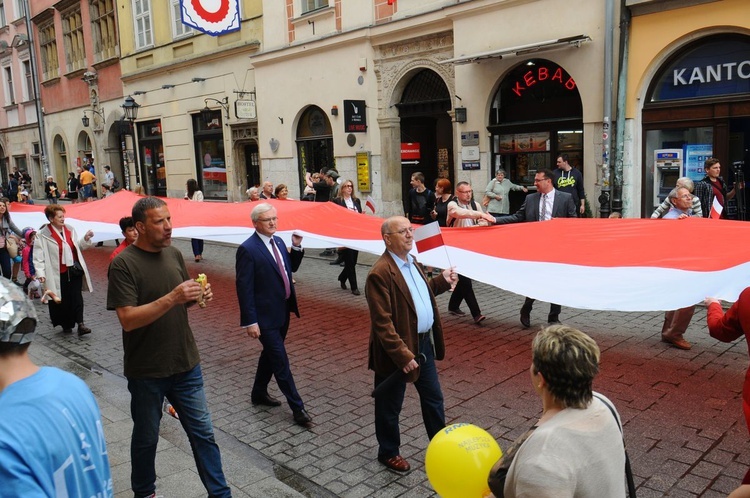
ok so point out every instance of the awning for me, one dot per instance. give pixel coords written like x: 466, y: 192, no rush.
x: 572, y: 41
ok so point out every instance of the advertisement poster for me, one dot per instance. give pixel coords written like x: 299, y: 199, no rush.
x: 524, y: 142
x: 695, y: 157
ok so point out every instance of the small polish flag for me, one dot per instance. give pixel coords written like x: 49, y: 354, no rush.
x: 716, y: 209
x: 428, y: 237
x: 370, y: 203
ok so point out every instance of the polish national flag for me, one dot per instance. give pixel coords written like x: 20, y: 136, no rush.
x: 428, y: 237
x: 716, y: 209
x: 370, y: 203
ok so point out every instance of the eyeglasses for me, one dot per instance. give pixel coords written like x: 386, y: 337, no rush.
x: 267, y: 220
x: 347, y: 186
x: 540, y: 180
x: 464, y: 191
x: 686, y: 196
x: 402, y: 232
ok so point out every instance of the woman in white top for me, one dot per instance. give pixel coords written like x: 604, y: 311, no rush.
x: 193, y: 194
x: 347, y: 199
x: 576, y: 447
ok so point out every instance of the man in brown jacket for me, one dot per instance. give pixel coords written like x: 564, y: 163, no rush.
x: 406, y: 337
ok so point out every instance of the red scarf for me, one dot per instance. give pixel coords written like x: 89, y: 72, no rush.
x: 69, y: 240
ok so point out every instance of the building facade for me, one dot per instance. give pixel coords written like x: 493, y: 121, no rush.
x: 688, y: 97
x: 77, y: 47
x: 19, y: 132
x: 463, y: 89
x: 197, y: 101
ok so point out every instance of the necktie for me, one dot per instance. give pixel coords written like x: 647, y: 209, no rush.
x: 543, y: 212
x: 287, y: 288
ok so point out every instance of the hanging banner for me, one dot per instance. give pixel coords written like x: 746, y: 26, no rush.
x: 213, y: 17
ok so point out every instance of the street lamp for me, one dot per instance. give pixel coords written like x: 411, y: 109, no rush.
x: 130, y: 107
x: 85, y: 119
x: 206, y: 112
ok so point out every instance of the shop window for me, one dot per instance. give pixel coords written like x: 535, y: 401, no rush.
x: 210, y: 168
x: 151, y: 158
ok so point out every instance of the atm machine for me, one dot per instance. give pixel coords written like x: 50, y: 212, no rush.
x: 668, y: 167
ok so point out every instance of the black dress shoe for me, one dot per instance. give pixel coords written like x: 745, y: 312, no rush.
x: 355, y: 292
x: 553, y: 319
x: 265, y: 400
x: 525, y: 319
x: 343, y: 284
x: 301, y: 417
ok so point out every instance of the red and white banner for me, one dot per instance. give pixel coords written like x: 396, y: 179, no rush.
x: 716, y: 209
x: 601, y: 264
x: 428, y: 237
x: 370, y: 203
x: 213, y: 17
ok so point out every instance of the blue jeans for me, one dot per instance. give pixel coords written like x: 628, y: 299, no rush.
x: 185, y: 392
x: 388, y: 404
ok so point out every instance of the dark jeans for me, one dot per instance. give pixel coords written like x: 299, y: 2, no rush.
x: 5, y: 262
x: 464, y: 291
x: 185, y: 392
x: 197, y: 246
x: 274, y: 362
x: 349, y: 272
x: 388, y: 404
x: 554, y: 309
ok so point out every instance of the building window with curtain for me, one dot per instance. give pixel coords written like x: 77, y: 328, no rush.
x: 142, y: 21
x: 211, y: 169
x: 75, y: 51
x: 104, y: 29
x: 179, y: 30
x: 48, y: 49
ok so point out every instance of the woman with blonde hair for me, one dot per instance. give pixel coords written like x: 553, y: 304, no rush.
x: 348, y: 200
x: 576, y: 447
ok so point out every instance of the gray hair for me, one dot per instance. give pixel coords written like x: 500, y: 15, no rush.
x: 143, y: 205
x: 251, y: 190
x: 258, y: 210
x: 673, y: 193
x: 686, y: 182
x: 500, y: 170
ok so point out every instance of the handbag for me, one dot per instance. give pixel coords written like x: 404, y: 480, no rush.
x: 76, y: 270
x: 629, y: 481
x: 12, y: 246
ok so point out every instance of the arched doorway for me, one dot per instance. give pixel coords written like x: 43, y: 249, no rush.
x: 536, y: 114
x: 423, y: 110
x: 314, y: 143
x: 697, y: 106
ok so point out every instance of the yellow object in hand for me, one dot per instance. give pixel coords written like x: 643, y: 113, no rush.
x: 203, y: 280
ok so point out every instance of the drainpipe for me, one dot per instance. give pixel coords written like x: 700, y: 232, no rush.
x: 604, y: 196
x: 37, y: 93
x: 621, y: 98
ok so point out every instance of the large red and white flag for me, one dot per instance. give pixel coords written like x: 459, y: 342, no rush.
x: 213, y: 17
x: 597, y: 264
x: 428, y: 237
x: 716, y: 209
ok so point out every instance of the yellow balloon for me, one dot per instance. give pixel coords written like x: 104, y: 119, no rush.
x: 459, y: 459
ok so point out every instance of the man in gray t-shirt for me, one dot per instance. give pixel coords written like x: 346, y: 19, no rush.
x: 150, y: 289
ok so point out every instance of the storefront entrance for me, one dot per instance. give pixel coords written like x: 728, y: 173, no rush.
x: 697, y: 107
x: 151, y: 157
x: 423, y: 110
x: 536, y: 115
x: 314, y: 144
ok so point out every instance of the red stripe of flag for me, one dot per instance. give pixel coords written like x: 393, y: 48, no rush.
x: 428, y: 237
x: 716, y: 209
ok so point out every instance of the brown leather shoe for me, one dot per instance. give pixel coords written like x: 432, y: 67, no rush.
x: 679, y: 343
x: 396, y: 463
x: 83, y: 330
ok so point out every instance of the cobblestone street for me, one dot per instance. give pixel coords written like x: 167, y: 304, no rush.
x: 682, y: 409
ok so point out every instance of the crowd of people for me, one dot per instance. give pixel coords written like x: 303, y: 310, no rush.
x: 406, y: 333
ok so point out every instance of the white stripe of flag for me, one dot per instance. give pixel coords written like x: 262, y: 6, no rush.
x: 716, y: 209
x: 428, y: 237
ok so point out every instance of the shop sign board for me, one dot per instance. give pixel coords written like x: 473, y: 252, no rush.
x: 355, y: 116
x: 364, y: 177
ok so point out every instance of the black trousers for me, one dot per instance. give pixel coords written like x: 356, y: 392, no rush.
x: 349, y: 272
x: 464, y: 291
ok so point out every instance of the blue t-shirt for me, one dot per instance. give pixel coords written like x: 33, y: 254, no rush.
x: 51, y: 439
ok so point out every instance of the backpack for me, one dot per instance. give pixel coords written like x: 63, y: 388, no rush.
x: 473, y: 206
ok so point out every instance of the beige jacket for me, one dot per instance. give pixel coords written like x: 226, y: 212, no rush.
x: 47, y: 259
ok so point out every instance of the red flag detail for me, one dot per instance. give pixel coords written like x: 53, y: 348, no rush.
x: 428, y: 237
x: 370, y: 203
x: 716, y: 209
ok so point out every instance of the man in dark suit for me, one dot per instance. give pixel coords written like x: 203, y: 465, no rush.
x: 266, y: 294
x: 406, y: 337
x: 546, y: 203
